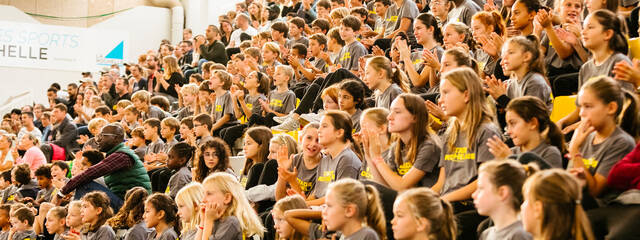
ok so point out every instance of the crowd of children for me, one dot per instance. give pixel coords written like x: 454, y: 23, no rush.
x: 336, y: 119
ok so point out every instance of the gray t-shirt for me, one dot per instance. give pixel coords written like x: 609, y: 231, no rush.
x: 515, y: 231
x: 178, y: 180
x: 189, y: 235
x: 282, y: 102
x: 385, y: 98
x: 408, y: 10
x: 464, y: 12
x: 4, y: 235
x: 486, y: 63
x: 169, y: 144
x: 345, y: 165
x: 590, y: 70
x: 184, y: 112
x: 223, y: 106
x: 154, y: 112
x: 600, y: 158
x: 320, y: 64
x: 253, y: 103
x: 355, y: 120
x: 365, y: 233
x: 304, y: 40
x: 156, y: 147
x: 427, y: 159
x: 552, y: 58
x: 227, y: 228
x: 349, y: 55
x: 104, y: 232
x: 549, y: 153
x: 390, y: 20
x: 138, y: 231
x: 24, y: 235
x: 46, y: 194
x: 461, y: 162
x: 306, y: 176
x: 532, y: 84
x: 168, y: 234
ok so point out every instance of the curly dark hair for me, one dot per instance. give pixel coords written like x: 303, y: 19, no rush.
x: 222, y: 153
x: 131, y: 212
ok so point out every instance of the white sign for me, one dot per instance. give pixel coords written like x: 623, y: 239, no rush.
x: 60, y: 48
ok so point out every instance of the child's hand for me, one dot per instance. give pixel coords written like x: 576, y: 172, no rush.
x: 265, y: 105
x: 213, y: 211
x: 624, y: 71
x: 288, y: 176
x: 57, y: 183
x: 579, y: 135
x: 377, y: 51
x: 45, y: 207
x: 580, y: 175
x: 543, y: 18
x: 495, y: 87
x: 499, y: 149
x: 71, y: 236
x: 282, y: 157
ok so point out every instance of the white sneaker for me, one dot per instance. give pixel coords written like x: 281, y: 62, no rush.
x: 283, y: 118
x: 311, y: 117
x: 291, y: 124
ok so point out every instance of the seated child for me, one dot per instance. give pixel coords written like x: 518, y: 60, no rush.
x: 22, y: 224
x: 56, y: 223
x: 21, y: 178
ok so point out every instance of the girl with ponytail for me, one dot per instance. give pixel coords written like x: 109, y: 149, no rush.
x: 354, y: 209
x: 604, y: 36
x: 419, y: 213
x: 531, y: 130
x: 552, y: 209
x: 161, y: 214
x: 179, y: 155
x: 499, y: 196
x: 343, y: 155
x: 429, y: 36
x: 599, y: 143
x: 380, y: 76
x: 522, y: 57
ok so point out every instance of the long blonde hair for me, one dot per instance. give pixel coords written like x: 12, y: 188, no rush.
x: 239, y: 206
x: 170, y: 66
x: 191, y: 196
x: 366, y: 199
x: 477, y: 109
x: 393, y: 74
x: 560, y: 194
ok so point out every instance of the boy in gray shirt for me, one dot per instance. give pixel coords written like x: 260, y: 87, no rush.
x: 353, y: 49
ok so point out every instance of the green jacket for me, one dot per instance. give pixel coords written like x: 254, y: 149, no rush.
x: 136, y: 176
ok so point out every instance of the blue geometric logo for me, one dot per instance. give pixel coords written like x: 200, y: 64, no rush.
x: 117, y: 52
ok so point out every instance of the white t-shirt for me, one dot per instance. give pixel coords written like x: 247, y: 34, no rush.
x: 235, y: 35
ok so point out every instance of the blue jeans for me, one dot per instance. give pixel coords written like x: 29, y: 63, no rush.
x: 115, y: 201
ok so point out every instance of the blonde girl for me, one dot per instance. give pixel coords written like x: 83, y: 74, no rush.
x: 414, y: 155
x: 270, y: 58
x: 172, y: 76
x: 226, y: 212
x: 354, y: 209
x: 389, y: 82
x: 284, y: 231
x: 420, y: 213
x: 373, y: 121
x: 552, y: 209
x: 188, y: 199
x: 499, y: 196
x: 299, y: 172
x: 470, y: 126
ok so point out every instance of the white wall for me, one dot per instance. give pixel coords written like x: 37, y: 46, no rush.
x: 147, y: 26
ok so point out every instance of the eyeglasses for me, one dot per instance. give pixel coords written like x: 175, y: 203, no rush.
x: 437, y: 3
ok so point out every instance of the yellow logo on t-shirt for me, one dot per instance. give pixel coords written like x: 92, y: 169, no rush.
x: 11, y: 198
x: 392, y: 19
x: 249, y: 105
x: 366, y: 173
x: 417, y: 61
x: 168, y: 190
x: 218, y: 108
x: 327, y: 176
x: 346, y: 56
x: 276, y: 103
x: 404, y: 168
x: 590, y: 163
x: 460, y: 155
x: 304, y: 186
